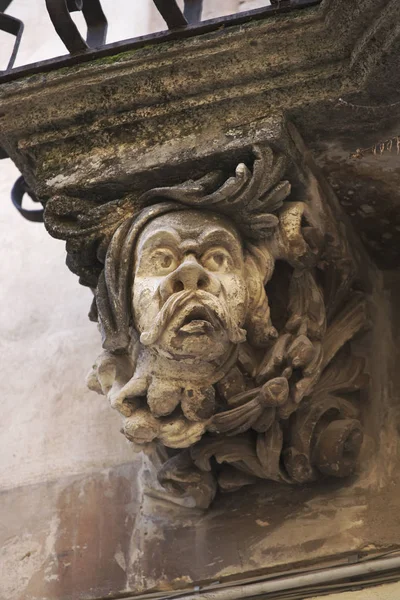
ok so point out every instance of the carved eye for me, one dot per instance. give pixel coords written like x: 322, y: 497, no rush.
x: 163, y: 261
x: 217, y: 259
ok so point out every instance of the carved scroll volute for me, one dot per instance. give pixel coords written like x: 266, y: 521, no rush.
x: 193, y: 359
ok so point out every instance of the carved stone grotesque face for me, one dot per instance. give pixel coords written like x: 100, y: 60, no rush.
x: 189, y: 292
x: 178, y: 274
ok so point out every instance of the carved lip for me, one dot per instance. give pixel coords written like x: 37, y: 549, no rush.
x: 199, y: 320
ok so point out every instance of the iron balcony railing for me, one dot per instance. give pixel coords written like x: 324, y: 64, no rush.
x: 180, y: 24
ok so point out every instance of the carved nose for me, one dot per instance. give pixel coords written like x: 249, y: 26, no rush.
x: 190, y: 276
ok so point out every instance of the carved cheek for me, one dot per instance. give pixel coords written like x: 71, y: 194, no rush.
x: 145, y: 301
x: 236, y: 295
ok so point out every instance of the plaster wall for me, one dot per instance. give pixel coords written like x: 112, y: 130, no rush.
x: 51, y: 424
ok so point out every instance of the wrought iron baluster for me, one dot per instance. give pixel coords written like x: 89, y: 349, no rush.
x: 60, y: 15
x: 171, y: 13
x: 13, y: 26
x: 20, y: 188
x: 4, y: 4
x: 192, y: 10
x: 82, y: 51
x: 96, y: 23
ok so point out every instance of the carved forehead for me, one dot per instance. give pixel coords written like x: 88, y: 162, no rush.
x: 189, y: 224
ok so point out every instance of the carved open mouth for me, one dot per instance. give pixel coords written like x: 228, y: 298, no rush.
x: 198, y: 321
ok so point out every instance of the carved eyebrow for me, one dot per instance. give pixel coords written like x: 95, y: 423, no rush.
x: 221, y: 237
x: 165, y: 236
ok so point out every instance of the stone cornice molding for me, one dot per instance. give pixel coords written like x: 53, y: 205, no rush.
x: 217, y: 81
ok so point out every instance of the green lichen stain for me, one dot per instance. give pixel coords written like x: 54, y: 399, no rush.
x: 110, y: 60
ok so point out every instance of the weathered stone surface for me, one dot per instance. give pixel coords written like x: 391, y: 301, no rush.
x: 335, y: 75
x: 117, y: 129
x: 183, y: 287
x: 97, y: 535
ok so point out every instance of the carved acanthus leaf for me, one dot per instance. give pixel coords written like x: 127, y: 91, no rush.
x: 352, y: 319
x: 345, y: 374
x: 249, y: 198
x: 298, y: 455
x: 306, y: 306
x: 259, y: 456
x: 181, y: 478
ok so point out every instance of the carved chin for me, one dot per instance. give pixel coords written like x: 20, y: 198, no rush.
x: 196, y: 339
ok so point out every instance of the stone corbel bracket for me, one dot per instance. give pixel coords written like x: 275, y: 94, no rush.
x: 115, y: 146
x: 233, y: 352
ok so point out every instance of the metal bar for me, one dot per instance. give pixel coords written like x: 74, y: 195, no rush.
x: 20, y: 188
x: 153, y: 39
x: 14, y: 26
x: 171, y: 13
x: 192, y: 10
x: 60, y: 16
x: 4, y: 4
x: 96, y: 23
x: 74, y: 5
